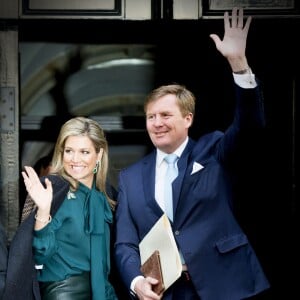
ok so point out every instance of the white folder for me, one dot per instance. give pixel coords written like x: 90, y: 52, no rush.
x: 161, y: 238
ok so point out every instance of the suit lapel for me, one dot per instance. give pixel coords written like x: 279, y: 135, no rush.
x: 182, y: 165
x: 148, y: 177
x: 148, y: 174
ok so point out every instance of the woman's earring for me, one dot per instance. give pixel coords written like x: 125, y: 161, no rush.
x: 95, y: 170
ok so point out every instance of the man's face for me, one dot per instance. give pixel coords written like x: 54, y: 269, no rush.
x: 165, y: 124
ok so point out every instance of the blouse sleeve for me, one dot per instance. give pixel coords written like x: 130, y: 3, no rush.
x: 44, y: 244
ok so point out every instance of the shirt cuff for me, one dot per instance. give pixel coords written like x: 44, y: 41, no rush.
x: 246, y: 81
x: 133, y: 282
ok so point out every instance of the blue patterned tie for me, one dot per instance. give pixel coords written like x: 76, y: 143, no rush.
x: 171, y: 174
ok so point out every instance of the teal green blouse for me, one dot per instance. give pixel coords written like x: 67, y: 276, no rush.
x: 76, y: 240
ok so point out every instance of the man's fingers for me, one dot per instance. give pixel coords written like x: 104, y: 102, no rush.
x: 240, y: 21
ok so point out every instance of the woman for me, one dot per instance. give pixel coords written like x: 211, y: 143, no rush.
x: 72, y: 218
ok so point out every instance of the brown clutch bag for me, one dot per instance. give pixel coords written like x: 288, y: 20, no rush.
x: 151, y: 267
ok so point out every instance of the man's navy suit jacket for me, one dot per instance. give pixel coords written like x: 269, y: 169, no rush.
x: 221, y: 262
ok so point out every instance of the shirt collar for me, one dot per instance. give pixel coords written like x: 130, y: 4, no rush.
x: 160, y: 155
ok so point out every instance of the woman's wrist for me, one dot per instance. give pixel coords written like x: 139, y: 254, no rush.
x: 43, y: 219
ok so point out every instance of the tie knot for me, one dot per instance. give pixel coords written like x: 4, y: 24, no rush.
x: 171, y: 158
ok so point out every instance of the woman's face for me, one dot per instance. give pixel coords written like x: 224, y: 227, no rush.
x: 80, y: 158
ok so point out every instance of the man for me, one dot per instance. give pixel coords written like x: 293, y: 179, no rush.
x: 218, y: 261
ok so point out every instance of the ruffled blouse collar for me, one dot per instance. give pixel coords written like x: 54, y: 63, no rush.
x: 96, y: 209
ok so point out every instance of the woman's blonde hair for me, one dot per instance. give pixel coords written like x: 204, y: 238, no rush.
x: 90, y: 128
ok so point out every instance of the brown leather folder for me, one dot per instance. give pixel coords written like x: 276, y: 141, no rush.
x: 152, y: 267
